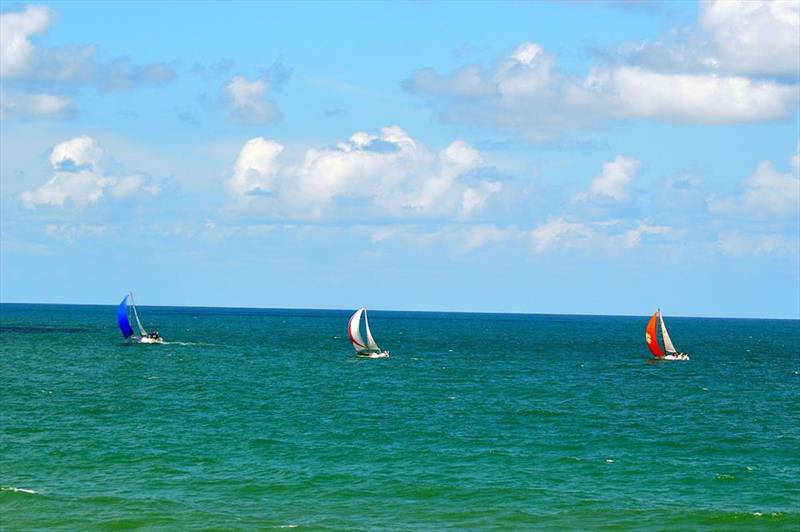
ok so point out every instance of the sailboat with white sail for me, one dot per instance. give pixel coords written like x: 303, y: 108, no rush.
x: 126, y: 307
x: 651, y: 338
x: 369, y: 348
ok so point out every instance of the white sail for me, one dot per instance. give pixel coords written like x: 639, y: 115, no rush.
x: 354, y: 332
x: 371, y: 344
x: 667, y: 342
x: 142, y: 331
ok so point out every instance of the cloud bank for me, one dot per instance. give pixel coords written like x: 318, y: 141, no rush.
x: 525, y: 91
x: 37, y: 81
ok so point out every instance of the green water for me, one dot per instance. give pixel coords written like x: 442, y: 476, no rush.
x: 265, y: 419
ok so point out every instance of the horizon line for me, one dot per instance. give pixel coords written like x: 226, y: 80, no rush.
x: 407, y: 310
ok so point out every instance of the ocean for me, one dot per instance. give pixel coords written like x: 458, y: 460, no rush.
x: 264, y: 418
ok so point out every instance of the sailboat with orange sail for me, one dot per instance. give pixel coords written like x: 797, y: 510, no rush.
x: 651, y: 338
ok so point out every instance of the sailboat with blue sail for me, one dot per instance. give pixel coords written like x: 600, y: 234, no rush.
x: 127, y: 307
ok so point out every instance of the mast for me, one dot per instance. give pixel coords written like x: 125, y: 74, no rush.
x: 371, y: 344
x: 142, y: 331
x: 667, y: 341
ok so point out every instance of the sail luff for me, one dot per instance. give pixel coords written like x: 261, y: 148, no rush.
x: 371, y: 344
x: 354, y: 333
x: 667, y: 341
x: 651, y: 338
x: 142, y: 330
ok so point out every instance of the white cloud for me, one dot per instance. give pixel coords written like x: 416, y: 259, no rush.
x: 633, y: 237
x: 560, y: 232
x: 766, y: 194
x: 34, y: 77
x: 16, y: 28
x: 755, y: 36
x: 474, y: 198
x: 80, y: 151
x: 81, y: 188
x: 611, y: 235
x: 256, y: 166
x: 34, y: 105
x: 247, y: 101
x: 525, y: 91
x: 132, y: 186
x: 706, y: 98
x: 613, y: 181
x: 69, y: 233
x: 78, y: 178
x: 478, y: 236
x: 389, y: 175
x: 740, y: 244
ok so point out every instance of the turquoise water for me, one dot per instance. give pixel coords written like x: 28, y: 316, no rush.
x: 265, y: 419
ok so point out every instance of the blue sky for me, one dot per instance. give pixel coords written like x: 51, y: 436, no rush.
x: 570, y: 157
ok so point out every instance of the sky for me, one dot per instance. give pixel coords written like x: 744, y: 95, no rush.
x: 572, y: 157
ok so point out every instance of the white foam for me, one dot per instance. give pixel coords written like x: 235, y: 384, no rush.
x: 20, y: 490
x: 609, y: 461
x: 190, y: 344
x: 288, y: 526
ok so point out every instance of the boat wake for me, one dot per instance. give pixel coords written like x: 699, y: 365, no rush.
x: 18, y: 490
x: 192, y: 344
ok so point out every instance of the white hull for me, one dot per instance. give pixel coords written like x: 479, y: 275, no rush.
x: 676, y: 357
x: 146, y: 340
x: 382, y: 354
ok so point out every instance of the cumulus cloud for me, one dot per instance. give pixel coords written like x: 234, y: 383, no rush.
x: 705, y: 98
x: 683, y: 79
x: 613, y: 181
x: 256, y: 167
x: 525, y: 91
x: 247, y: 101
x: 755, y: 36
x: 388, y: 175
x: 79, y: 179
x: 16, y: 28
x: 767, y: 193
x: 35, y: 79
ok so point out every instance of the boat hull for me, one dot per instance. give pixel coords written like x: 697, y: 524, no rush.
x: 675, y: 357
x: 382, y: 354
x: 151, y: 340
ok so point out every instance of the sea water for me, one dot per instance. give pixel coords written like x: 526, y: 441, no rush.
x: 253, y: 418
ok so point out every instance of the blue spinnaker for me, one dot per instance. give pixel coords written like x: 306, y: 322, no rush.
x: 122, y: 318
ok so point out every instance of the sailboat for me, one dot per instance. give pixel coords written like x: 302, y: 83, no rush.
x: 369, y: 348
x: 125, y: 324
x: 651, y: 338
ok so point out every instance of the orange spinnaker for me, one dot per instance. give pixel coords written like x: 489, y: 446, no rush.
x: 651, y: 338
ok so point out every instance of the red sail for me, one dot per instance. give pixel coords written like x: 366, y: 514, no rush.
x: 651, y: 338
